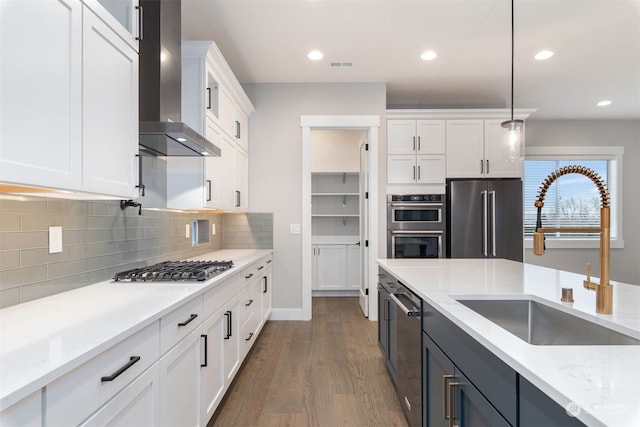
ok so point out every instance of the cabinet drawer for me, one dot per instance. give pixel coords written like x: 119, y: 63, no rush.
x: 179, y: 323
x: 215, y: 298
x: 251, y: 301
x: 488, y: 373
x: 75, y: 396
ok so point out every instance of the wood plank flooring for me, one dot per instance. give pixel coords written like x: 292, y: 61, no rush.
x: 324, y: 373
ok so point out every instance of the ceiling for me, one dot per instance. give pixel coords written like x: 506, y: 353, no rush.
x: 596, y: 45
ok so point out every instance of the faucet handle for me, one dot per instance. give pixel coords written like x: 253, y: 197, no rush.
x: 588, y: 272
x: 587, y: 283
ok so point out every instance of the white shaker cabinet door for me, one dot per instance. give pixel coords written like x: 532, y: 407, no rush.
x: 465, y: 149
x: 212, y: 378
x: 401, y: 169
x: 40, y: 93
x: 110, y: 111
x: 401, y: 137
x: 179, y: 379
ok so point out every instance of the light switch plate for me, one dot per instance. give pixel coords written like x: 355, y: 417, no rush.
x: 294, y: 228
x: 187, y: 230
x: 213, y: 229
x: 55, y: 240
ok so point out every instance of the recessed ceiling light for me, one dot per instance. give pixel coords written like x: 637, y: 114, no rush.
x: 428, y: 55
x: 315, y: 55
x: 543, y: 54
x: 604, y: 103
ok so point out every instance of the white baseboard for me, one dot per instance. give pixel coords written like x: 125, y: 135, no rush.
x: 286, y: 314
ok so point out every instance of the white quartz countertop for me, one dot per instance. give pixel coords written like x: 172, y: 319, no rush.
x: 43, y: 339
x: 604, y: 381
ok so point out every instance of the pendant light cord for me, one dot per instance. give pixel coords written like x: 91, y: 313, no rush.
x: 512, y: 49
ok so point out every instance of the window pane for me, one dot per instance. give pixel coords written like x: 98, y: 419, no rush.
x: 572, y: 200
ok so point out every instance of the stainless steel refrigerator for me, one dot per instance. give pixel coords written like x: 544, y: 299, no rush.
x: 484, y: 218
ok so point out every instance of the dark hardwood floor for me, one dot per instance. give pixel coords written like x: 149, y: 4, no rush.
x: 324, y: 373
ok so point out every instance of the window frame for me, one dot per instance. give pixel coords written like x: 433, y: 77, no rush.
x: 614, y: 155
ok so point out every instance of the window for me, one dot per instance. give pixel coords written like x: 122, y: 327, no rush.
x: 573, y: 199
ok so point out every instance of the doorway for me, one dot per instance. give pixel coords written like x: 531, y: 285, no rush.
x: 336, y: 208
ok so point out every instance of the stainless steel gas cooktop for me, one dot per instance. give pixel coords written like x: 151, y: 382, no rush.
x: 175, y: 271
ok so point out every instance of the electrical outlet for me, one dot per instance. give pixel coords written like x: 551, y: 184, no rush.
x: 187, y: 231
x: 213, y: 229
x: 55, y: 240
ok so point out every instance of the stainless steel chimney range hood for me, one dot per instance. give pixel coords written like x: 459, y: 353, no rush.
x: 162, y: 132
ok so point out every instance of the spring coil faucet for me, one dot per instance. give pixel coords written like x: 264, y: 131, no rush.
x: 604, y: 290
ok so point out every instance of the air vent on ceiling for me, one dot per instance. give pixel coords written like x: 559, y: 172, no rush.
x: 341, y: 64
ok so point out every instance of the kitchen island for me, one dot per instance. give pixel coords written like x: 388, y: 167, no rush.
x: 601, y: 383
x: 45, y: 342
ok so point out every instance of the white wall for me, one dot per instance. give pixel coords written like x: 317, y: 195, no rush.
x: 336, y: 150
x: 625, y: 262
x: 275, y: 165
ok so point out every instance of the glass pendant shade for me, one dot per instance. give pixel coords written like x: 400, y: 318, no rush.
x: 513, y: 141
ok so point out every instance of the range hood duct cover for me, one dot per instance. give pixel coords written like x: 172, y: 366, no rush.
x: 161, y: 129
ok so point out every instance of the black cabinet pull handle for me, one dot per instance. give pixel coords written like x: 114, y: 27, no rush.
x: 487, y: 166
x: 140, y: 185
x: 250, y: 336
x: 204, y: 365
x: 268, y: 261
x: 481, y: 166
x: 237, y: 199
x: 261, y: 267
x: 248, y: 276
x: 249, y: 303
x: 189, y: 320
x: 132, y: 361
x: 209, y: 193
x: 237, y: 129
x: 208, y: 98
x: 228, y: 316
x: 264, y: 289
x: 140, y: 21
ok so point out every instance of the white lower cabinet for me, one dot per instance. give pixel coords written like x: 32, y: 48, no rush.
x: 179, y: 379
x: 336, y: 267
x: 138, y: 404
x: 267, y: 290
x: 212, y: 376
x: 25, y: 413
x: 231, y: 340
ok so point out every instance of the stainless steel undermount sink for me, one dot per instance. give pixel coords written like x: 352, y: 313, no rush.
x: 541, y: 324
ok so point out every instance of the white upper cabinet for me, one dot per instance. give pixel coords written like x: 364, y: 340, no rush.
x: 62, y: 59
x: 41, y: 93
x: 214, y: 104
x: 416, y: 151
x: 416, y: 137
x: 123, y: 16
x: 110, y: 113
x: 474, y: 150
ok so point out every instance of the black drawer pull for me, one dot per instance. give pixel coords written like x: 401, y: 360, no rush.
x: 204, y: 364
x: 261, y: 267
x: 250, y: 336
x: 189, y: 320
x: 264, y: 289
x: 248, y: 276
x: 228, y: 315
x: 249, y: 303
x: 132, y: 361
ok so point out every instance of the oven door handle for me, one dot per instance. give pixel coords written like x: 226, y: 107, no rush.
x: 416, y: 231
x: 408, y: 312
x: 417, y: 205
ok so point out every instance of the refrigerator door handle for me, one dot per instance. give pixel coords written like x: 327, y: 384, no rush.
x: 493, y: 222
x: 485, y: 220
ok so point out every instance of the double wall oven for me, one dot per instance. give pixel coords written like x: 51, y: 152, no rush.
x: 416, y: 226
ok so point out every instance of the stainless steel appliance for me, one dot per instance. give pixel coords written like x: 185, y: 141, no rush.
x: 416, y: 225
x: 175, y: 271
x: 484, y: 218
x: 409, y: 324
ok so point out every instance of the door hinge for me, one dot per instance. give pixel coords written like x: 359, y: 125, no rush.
x: 366, y: 243
x: 366, y: 291
x: 366, y: 147
x: 366, y: 194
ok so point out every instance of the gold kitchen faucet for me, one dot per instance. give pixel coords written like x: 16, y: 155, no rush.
x: 604, y: 290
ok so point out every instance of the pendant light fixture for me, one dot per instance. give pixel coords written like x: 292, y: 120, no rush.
x: 513, y: 144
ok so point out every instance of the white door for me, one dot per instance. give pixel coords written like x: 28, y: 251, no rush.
x: 363, y: 295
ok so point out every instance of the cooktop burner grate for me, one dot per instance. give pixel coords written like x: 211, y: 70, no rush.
x: 174, y: 271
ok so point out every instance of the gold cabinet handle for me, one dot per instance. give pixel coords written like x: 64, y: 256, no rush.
x: 445, y: 404
x: 452, y: 404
